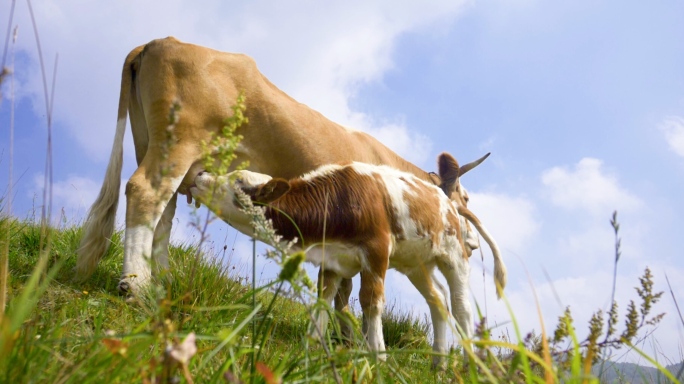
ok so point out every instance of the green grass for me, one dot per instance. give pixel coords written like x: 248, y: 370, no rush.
x: 58, y: 330
x: 77, y: 331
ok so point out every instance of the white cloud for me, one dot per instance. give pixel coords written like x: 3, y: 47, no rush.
x: 414, y: 147
x: 318, y: 54
x: 512, y: 221
x: 72, y: 196
x: 589, y: 188
x: 488, y: 143
x: 673, y: 129
x: 589, y: 194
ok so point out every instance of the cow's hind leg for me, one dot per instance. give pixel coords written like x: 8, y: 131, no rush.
x: 148, y: 193
x: 328, y: 283
x: 162, y: 236
x: 342, y: 308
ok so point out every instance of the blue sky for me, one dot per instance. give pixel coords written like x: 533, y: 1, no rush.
x: 581, y: 105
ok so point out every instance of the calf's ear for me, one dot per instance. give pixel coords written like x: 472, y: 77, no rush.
x: 448, y: 167
x: 271, y: 191
x: 448, y: 172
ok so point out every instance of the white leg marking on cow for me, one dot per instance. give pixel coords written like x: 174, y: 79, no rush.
x: 138, y: 245
x: 138, y: 248
x: 373, y: 321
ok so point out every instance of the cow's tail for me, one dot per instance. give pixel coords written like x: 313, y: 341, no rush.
x: 99, y: 226
x: 499, y: 267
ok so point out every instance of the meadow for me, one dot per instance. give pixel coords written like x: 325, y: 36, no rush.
x: 205, y: 323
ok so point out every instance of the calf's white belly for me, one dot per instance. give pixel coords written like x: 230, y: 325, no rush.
x: 343, y: 259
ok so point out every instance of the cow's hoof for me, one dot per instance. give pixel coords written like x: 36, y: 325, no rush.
x: 124, y: 287
x: 133, y: 284
x: 438, y: 364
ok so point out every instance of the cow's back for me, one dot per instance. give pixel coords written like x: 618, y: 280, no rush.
x: 283, y: 138
x: 204, y: 82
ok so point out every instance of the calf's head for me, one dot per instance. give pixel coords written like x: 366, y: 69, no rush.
x: 219, y: 194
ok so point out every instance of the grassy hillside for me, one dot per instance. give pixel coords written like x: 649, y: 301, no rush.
x: 57, y: 330
x: 85, y: 332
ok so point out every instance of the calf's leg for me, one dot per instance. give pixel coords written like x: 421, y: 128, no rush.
x: 372, y: 292
x: 328, y: 283
x: 432, y: 291
x: 372, y: 299
x: 457, y: 274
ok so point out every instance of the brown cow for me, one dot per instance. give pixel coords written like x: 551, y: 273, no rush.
x: 284, y: 138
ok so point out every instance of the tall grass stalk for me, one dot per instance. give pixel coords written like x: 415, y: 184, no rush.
x: 254, y: 241
x: 46, y: 211
x: 546, y: 352
x: 35, y: 288
x: 484, y: 285
x: 5, y: 224
x: 5, y: 71
x: 681, y: 318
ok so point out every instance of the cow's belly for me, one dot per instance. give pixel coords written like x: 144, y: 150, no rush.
x: 345, y: 260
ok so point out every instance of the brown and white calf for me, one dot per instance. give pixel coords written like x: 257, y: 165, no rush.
x: 362, y: 218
